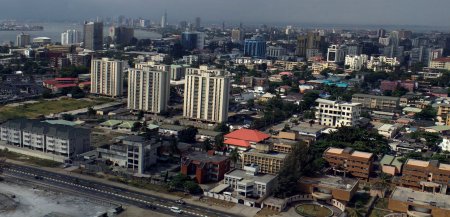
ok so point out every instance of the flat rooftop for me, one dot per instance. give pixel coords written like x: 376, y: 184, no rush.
x: 205, y: 157
x: 334, y: 182
x: 421, y: 198
x: 419, y: 163
x: 254, y: 152
x: 361, y: 154
x: 335, y: 150
x: 243, y: 176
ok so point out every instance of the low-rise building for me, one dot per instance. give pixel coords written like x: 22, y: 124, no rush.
x: 244, y: 139
x: 326, y: 188
x: 205, y: 167
x: 426, y: 175
x: 385, y: 103
x: 249, y: 182
x: 268, y: 161
x: 391, y: 165
x: 419, y: 204
x: 348, y: 161
x: 389, y: 130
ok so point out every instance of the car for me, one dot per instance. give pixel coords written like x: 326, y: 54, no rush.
x: 180, y: 201
x: 38, y: 177
x: 176, y: 209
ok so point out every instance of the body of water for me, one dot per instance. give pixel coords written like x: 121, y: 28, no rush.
x: 54, y: 30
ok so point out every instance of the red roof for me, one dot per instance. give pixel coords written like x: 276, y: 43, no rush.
x: 64, y: 85
x: 85, y: 83
x: 66, y: 79
x: 247, y: 135
x: 286, y: 73
x: 50, y: 82
x: 442, y: 59
x: 237, y: 142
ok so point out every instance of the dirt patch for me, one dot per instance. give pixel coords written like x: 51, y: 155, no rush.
x: 7, y: 203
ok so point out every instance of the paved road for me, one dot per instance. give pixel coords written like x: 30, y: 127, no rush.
x: 108, y: 192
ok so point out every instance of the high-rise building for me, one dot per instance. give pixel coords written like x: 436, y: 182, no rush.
x: 206, y: 94
x: 183, y: 25
x: 70, y: 37
x: 23, y: 40
x: 164, y: 20
x: 381, y: 33
x: 311, y: 40
x: 107, y: 77
x: 336, y: 54
x: 149, y: 88
x: 93, y: 35
x: 255, y: 47
x: 198, y: 23
x: 121, y: 34
x: 237, y: 36
x: 193, y: 40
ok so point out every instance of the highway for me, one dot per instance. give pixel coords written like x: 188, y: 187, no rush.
x: 107, y: 192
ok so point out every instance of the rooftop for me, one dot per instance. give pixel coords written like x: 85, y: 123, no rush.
x: 336, y: 182
x: 419, y: 163
x: 247, y: 135
x: 375, y: 96
x: 391, y: 161
x: 205, y: 157
x: 261, y: 178
x: 335, y: 150
x: 280, y: 156
x: 421, y: 198
x: 361, y: 154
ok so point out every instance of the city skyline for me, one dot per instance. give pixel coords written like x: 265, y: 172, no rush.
x: 382, y: 12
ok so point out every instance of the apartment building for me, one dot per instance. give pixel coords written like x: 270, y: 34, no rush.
x: 440, y: 63
x: 249, y: 182
x: 419, y: 204
x: 148, y: 89
x: 45, y: 138
x: 206, y: 94
x: 349, y: 161
x: 205, y: 166
x: 107, y: 77
x: 325, y: 188
x: 385, y: 103
x: 337, y: 114
x: 134, y: 153
x: 443, y: 114
x: 268, y: 161
x: 425, y: 175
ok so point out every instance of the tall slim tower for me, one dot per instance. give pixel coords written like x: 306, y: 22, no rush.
x: 107, y: 77
x: 93, y: 35
x: 164, y: 20
x: 23, y: 40
x: 198, y: 23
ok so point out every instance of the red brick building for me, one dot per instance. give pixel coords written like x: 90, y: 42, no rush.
x: 205, y: 167
x: 394, y: 85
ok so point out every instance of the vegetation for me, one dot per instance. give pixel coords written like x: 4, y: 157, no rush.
x: 428, y: 113
x: 31, y: 160
x: 182, y: 182
x: 188, y: 135
x: 313, y: 210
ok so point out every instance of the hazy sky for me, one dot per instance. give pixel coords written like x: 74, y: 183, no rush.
x: 403, y: 12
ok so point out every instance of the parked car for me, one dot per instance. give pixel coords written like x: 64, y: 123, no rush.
x: 176, y: 209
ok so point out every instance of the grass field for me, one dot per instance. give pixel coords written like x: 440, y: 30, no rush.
x: 28, y: 159
x: 313, y: 210
x: 44, y: 107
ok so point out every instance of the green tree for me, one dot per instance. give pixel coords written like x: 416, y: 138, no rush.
x: 67, y: 117
x: 206, y: 145
x: 188, y: 135
x: 136, y: 126
x: 91, y: 112
x: 192, y: 187
x: 428, y: 113
x: 234, y: 156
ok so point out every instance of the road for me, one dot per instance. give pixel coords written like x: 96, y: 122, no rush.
x: 107, y: 192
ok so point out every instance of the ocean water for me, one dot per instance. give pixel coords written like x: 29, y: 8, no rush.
x: 54, y: 30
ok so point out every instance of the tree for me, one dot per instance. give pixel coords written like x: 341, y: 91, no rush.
x: 188, y: 135
x: 140, y: 115
x: 174, y: 150
x: 428, y: 113
x: 91, y: 112
x: 77, y: 93
x: 136, y: 126
x: 219, y: 145
x: 206, y: 145
x: 234, y: 156
x: 192, y: 187
x: 68, y: 117
x: 222, y: 127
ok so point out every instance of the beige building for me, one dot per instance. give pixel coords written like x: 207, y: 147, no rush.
x: 107, y: 77
x: 440, y: 63
x: 149, y: 88
x: 377, y: 102
x: 419, y: 204
x: 268, y: 162
x: 337, y: 114
x: 206, y: 94
x: 443, y: 114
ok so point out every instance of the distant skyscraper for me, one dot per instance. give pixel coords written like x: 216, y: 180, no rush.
x: 206, y: 94
x: 93, y: 35
x: 183, y: 25
x: 121, y: 34
x: 149, y: 88
x: 198, y: 23
x: 164, y: 20
x: 336, y: 54
x: 70, y: 37
x: 255, y: 47
x: 193, y: 40
x: 310, y: 41
x: 237, y: 35
x: 381, y: 33
x: 23, y: 40
x: 107, y: 77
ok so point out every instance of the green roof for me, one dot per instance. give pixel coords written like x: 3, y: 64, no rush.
x: 127, y: 124
x: 111, y: 123
x: 152, y: 126
x: 62, y: 122
x: 392, y: 161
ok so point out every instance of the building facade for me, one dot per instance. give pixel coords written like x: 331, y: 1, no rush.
x: 93, y: 35
x: 425, y: 175
x: 23, y: 40
x: 337, y: 114
x: 255, y: 47
x: 193, y: 40
x: 107, y: 77
x: 205, y: 166
x: 385, y: 103
x: 70, y: 37
x: 419, y: 204
x: 206, y: 94
x: 349, y: 161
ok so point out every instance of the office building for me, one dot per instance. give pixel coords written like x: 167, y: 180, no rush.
x: 177, y: 72
x: 276, y: 52
x: 148, y: 89
x: 164, y: 20
x: 42, y: 41
x: 325, y: 188
x: 255, y: 47
x: 93, y: 35
x: 385, y: 103
x: 429, y: 176
x: 70, y: 37
x: 193, y: 40
x: 198, y: 23
x: 46, y: 139
x: 237, y: 36
x: 121, y: 34
x: 134, y: 153
x: 206, y: 94
x: 419, y: 204
x: 336, y: 53
x: 107, y: 77
x: 356, y: 63
x: 337, y: 114
x: 381, y: 33
x: 350, y: 162
x: 311, y: 40
x: 23, y: 40
x: 353, y: 49
x: 207, y: 167
x: 249, y: 182
x: 268, y: 161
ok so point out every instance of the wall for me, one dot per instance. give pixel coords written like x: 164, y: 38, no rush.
x: 32, y: 153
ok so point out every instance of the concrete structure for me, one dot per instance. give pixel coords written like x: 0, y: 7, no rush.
x: 275, y: 52
x: 134, y: 153
x: 249, y: 183
x: 237, y: 36
x: 326, y: 188
x: 391, y: 165
x: 419, y: 204
x: 46, y: 138
x: 268, y: 161
x: 356, y: 63
x: 348, y: 161
x: 148, y: 89
x: 107, y: 77
x: 337, y: 114
x: 426, y: 175
x: 336, y: 54
x: 205, y: 166
x: 121, y: 34
x: 93, y: 35
x: 389, y: 130
x: 255, y: 47
x: 193, y: 40
x: 310, y: 41
x: 70, y: 37
x: 206, y: 94
x: 23, y: 40
x: 385, y: 103
x: 443, y: 114
x: 177, y: 72
x: 440, y: 63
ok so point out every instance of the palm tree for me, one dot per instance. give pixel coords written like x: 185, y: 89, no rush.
x: 234, y: 156
x: 206, y: 145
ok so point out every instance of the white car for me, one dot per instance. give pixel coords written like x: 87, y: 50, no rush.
x: 176, y: 209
